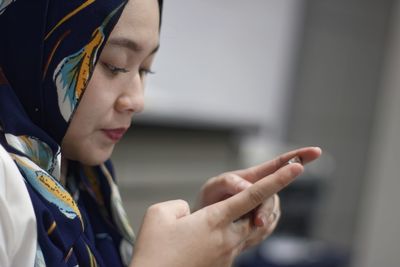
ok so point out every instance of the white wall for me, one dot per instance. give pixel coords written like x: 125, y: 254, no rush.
x: 224, y: 62
x: 378, y: 236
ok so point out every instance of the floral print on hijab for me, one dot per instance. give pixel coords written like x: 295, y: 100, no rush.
x: 4, y: 4
x: 47, y: 57
x: 72, y: 73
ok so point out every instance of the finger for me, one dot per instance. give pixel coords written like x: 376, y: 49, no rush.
x: 173, y: 209
x: 243, y: 202
x: 263, y: 212
x: 241, y: 229
x: 262, y: 232
x: 179, y: 208
x: 253, y: 174
x: 274, y: 221
x: 237, y: 233
x: 228, y: 184
x: 221, y: 187
x: 259, y: 234
x: 276, y: 211
x: 235, y: 184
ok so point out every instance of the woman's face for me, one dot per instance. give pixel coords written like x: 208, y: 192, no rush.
x: 115, y: 91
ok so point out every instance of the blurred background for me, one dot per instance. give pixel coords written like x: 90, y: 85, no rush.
x: 238, y: 82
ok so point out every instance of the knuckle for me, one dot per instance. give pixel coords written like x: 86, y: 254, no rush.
x: 280, y: 161
x: 182, y: 202
x: 277, y: 162
x: 256, y: 196
x: 211, y: 180
x: 154, y: 209
x: 214, y: 218
x: 227, y: 178
x: 252, y: 171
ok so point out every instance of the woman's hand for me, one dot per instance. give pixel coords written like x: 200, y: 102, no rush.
x: 266, y: 216
x: 172, y: 236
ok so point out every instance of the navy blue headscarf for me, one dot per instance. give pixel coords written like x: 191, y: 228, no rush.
x: 48, y: 51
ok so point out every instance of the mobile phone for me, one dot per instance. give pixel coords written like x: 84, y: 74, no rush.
x: 295, y: 159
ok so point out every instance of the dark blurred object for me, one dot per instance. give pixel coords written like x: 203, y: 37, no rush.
x: 286, y: 251
x: 291, y: 244
x: 299, y: 204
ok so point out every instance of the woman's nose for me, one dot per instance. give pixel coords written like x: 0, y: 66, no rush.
x: 132, y: 97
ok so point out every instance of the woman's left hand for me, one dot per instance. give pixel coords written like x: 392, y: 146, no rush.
x: 265, y: 218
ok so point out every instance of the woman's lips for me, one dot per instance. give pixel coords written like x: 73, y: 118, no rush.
x: 114, y: 134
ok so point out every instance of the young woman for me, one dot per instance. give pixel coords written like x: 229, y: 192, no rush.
x: 72, y: 75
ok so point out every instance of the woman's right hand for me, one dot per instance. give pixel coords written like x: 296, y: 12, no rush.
x: 172, y: 236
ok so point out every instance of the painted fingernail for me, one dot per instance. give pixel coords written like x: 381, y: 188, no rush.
x: 262, y: 221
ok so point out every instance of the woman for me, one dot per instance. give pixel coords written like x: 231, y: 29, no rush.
x: 72, y: 75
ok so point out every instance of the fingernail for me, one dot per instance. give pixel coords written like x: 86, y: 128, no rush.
x: 263, y: 220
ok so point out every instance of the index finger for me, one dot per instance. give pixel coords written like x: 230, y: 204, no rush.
x: 255, y: 173
x: 240, y: 204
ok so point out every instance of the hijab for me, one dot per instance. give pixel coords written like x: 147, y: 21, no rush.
x: 48, y: 51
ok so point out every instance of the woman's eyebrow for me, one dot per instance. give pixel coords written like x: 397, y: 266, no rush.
x: 131, y: 44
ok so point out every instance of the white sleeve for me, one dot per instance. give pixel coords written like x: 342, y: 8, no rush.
x: 18, y: 234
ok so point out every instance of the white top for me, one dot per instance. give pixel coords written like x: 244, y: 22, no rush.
x: 18, y: 234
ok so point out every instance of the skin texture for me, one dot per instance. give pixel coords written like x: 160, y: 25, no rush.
x: 115, y: 91
x: 235, y: 210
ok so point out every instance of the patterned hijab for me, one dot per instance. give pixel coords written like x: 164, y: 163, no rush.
x: 48, y: 50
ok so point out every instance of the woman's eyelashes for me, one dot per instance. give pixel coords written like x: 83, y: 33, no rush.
x: 145, y: 71
x: 116, y: 70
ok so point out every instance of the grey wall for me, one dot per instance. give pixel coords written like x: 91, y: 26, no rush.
x: 378, y: 233
x: 334, y: 101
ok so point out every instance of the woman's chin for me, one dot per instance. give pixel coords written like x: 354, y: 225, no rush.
x: 89, y: 152
x: 93, y: 157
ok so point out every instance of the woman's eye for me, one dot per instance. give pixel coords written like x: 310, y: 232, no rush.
x: 145, y: 71
x: 115, y: 70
